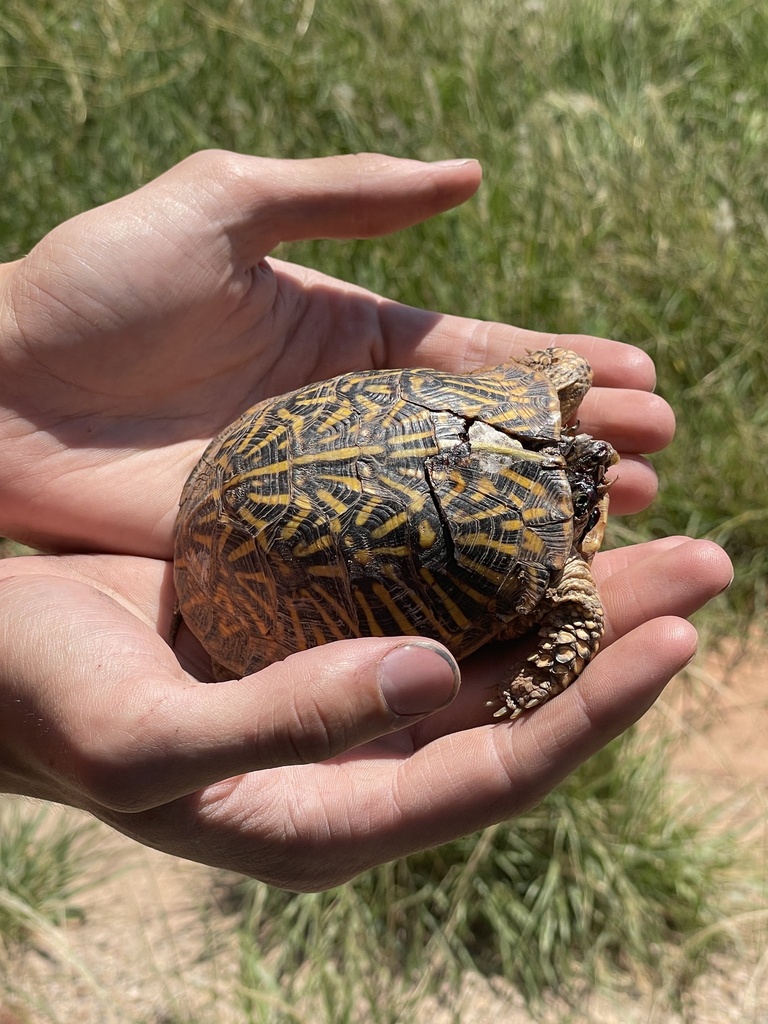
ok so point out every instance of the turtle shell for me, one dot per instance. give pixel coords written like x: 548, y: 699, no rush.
x: 383, y: 503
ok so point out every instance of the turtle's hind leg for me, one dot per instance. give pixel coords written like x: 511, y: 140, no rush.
x: 567, y: 639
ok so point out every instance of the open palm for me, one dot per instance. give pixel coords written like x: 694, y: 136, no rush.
x: 130, y: 336
x: 302, y: 774
x: 134, y: 332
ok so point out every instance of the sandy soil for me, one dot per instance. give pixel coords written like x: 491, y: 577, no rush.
x: 143, y: 950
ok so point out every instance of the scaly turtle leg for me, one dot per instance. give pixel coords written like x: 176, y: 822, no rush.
x: 568, y: 637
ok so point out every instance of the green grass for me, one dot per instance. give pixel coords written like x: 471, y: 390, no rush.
x: 624, y: 147
x: 609, y: 875
x: 625, y: 194
x: 44, y: 860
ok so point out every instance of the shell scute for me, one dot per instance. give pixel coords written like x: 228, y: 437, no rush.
x: 395, y: 502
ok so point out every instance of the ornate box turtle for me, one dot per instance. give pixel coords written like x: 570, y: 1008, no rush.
x: 394, y: 502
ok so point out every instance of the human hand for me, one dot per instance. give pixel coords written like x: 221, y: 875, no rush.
x: 132, y: 333
x: 302, y: 775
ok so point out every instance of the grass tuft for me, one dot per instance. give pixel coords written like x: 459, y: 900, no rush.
x: 609, y: 875
x: 45, y: 860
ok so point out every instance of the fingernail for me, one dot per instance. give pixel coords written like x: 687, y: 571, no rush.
x: 728, y: 585
x: 418, y: 678
x: 461, y: 162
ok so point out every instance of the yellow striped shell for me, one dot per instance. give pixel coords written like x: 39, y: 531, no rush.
x: 389, y: 502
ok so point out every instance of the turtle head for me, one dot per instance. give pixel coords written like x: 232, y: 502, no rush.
x: 587, y: 462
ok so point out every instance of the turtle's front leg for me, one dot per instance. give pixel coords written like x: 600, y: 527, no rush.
x: 568, y: 637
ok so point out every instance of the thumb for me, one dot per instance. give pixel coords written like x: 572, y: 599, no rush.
x: 174, y: 737
x: 99, y: 713
x: 313, y: 706
x: 264, y: 201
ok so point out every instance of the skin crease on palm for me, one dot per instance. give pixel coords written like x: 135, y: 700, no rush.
x: 128, y: 337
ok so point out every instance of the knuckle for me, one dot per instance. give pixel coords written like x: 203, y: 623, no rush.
x: 220, y: 166
x: 305, y: 735
x: 323, y: 703
x: 205, y: 161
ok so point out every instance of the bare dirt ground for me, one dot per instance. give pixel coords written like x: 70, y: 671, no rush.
x: 143, y: 952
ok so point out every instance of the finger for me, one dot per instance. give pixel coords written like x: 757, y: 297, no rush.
x: 676, y: 581
x: 669, y: 577
x: 495, y: 772
x: 619, y: 409
x: 633, y: 421
x: 312, y: 706
x: 614, y: 363
x: 400, y: 335
x: 487, y: 774
x: 125, y: 727
x: 613, y: 560
x: 634, y: 486
x: 351, y: 196
x: 414, y: 336
x: 467, y: 780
